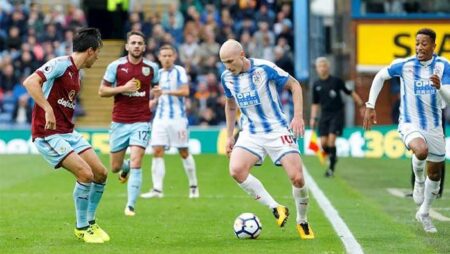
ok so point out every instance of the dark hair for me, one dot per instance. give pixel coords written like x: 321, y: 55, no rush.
x: 429, y: 32
x: 85, y: 38
x: 167, y: 46
x: 129, y: 34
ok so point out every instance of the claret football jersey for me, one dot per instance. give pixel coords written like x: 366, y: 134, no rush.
x: 61, y: 85
x: 132, y: 107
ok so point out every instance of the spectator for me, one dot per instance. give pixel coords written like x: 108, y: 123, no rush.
x: 7, y: 79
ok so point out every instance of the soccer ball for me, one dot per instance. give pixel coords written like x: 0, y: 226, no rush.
x: 247, y: 226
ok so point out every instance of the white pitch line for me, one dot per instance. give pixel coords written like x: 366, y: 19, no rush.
x: 351, y: 245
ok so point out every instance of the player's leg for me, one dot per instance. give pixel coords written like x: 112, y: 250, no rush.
x: 158, y: 173
x: 159, y: 141
x: 84, y: 175
x: 419, y: 148
x: 241, y: 161
x: 324, y: 131
x: 191, y: 171
x: 435, y: 159
x: 119, y: 142
x: 135, y: 179
x: 336, y: 127
x: 97, y: 188
x: 292, y: 164
x: 332, y: 153
x: 415, y: 141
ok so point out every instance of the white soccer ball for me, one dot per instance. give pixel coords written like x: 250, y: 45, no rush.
x: 247, y: 226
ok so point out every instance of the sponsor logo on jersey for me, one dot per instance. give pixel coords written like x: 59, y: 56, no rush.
x: 247, y: 99
x: 135, y: 94
x: 423, y: 87
x: 146, y: 71
x: 66, y: 103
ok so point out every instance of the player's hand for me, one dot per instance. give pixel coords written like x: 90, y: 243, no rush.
x: 362, y: 110
x: 370, y: 118
x: 297, y: 126
x: 130, y: 86
x: 50, y: 120
x: 156, y: 91
x: 229, y: 146
x: 436, y: 81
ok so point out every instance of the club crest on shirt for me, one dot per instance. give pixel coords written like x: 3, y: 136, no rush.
x: 257, y: 77
x: 146, y: 71
x: 138, y: 84
x: 72, y: 94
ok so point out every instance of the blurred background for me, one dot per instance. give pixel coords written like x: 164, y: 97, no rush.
x: 359, y: 37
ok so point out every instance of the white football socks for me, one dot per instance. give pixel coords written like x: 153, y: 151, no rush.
x: 158, y: 172
x: 418, y: 168
x: 255, y: 188
x: 430, y: 194
x: 190, y: 169
x: 301, y: 198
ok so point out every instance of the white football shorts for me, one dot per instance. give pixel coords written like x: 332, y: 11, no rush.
x: 275, y: 144
x: 170, y: 133
x: 434, y: 138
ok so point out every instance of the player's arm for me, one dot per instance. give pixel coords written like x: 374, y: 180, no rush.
x: 314, y: 114
x: 107, y: 90
x: 357, y: 99
x: 377, y: 85
x: 442, y: 86
x: 230, y: 116
x: 182, y: 91
x: 33, y: 84
x: 297, y: 124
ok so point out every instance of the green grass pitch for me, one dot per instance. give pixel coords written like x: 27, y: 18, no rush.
x: 37, y: 214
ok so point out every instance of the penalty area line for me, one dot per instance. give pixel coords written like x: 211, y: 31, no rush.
x: 342, y: 230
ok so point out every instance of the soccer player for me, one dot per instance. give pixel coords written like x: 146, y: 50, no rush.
x: 130, y: 79
x: 251, y: 85
x: 170, y: 124
x: 425, y: 83
x: 54, y: 87
x: 327, y: 97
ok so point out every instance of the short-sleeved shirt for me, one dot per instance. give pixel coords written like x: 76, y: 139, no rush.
x: 61, y: 85
x: 171, y: 107
x: 420, y: 102
x: 327, y: 93
x: 255, y: 92
x: 132, y: 107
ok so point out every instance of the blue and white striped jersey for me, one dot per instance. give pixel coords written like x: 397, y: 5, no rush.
x: 255, y: 92
x: 171, y: 107
x: 420, y: 104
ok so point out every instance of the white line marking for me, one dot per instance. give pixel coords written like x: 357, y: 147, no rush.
x: 342, y: 230
x: 401, y: 193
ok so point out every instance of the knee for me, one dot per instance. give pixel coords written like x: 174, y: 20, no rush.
x: 158, y: 152
x: 239, y: 174
x: 434, y: 175
x: 101, y: 175
x: 421, y: 153
x: 116, y: 166
x: 297, y: 180
x: 85, y: 175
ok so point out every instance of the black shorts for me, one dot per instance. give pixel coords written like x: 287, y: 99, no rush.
x: 331, y: 122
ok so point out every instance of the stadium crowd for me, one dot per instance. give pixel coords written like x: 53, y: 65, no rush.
x: 29, y: 37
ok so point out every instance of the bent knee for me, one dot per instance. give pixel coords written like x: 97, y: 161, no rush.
x: 239, y: 174
x: 421, y: 153
x: 85, y: 175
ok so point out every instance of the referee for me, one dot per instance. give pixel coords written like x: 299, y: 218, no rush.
x: 327, y: 97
